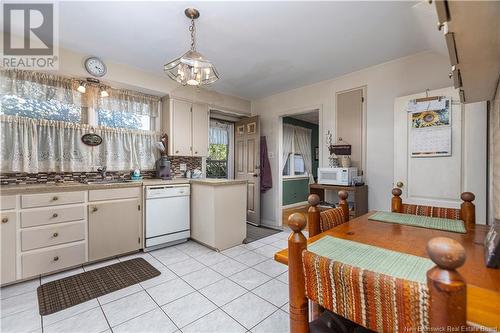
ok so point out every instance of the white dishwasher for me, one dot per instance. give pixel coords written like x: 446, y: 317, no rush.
x: 167, y: 214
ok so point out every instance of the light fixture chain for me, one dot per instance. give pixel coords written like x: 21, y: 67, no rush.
x: 192, y: 28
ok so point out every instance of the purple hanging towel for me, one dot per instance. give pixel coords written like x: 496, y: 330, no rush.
x: 266, y: 178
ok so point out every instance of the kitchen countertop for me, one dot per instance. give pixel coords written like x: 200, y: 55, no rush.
x: 76, y: 186
x: 218, y: 182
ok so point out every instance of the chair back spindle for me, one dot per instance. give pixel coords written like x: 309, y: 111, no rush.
x: 343, y: 204
x: 313, y: 215
x: 447, y: 288
x: 468, y: 210
x: 396, y: 202
x: 297, y: 243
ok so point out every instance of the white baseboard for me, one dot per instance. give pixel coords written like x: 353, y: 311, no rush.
x: 297, y: 204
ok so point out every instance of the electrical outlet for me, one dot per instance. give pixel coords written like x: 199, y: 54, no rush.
x: 183, y: 166
x: 271, y: 154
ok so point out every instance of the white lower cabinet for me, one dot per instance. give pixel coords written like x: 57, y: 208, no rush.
x: 115, y: 227
x: 47, y: 232
x: 8, y: 246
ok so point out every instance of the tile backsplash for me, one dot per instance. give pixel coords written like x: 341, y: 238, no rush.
x: 7, y: 178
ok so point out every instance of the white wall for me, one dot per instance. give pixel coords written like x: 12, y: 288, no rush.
x: 127, y: 77
x: 384, y: 83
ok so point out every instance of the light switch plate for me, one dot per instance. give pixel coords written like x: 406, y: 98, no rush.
x: 183, y: 166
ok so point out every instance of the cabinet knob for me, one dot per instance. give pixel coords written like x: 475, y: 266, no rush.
x: 196, y: 152
x: 56, y: 258
x: 55, y: 234
x: 55, y: 215
x: 94, y: 209
x: 55, y: 198
x: 176, y: 151
x: 5, y: 220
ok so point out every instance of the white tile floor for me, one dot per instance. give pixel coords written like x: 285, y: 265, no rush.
x: 241, y: 289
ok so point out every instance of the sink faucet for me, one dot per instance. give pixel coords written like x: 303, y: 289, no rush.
x: 102, y: 171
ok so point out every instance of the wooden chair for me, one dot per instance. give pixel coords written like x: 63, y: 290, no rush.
x: 320, y: 221
x: 399, y: 305
x: 466, y: 213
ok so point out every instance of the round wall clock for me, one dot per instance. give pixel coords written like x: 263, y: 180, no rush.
x: 95, y: 66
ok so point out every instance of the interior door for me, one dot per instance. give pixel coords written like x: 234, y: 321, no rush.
x: 247, y: 163
x: 439, y: 180
x: 350, y: 123
x: 181, y: 128
x: 200, y: 129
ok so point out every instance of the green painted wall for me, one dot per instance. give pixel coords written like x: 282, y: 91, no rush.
x: 297, y: 190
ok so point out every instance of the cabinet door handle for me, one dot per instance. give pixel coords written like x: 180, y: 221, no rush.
x: 55, y: 215
x: 55, y: 198
x: 55, y: 234
x: 5, y: 220
x: 56, y: 258
x: 94, y: 209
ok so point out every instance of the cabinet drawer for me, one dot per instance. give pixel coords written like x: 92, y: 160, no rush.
x: 52, y: 259
x: 36, y: 217
x: 51, y: 199
x: 115, y: 193
x: 8, y: 202
x: 35, y: 238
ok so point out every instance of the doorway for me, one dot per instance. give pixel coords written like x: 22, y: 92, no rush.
x: 220, y: 160
x: 299, y: 152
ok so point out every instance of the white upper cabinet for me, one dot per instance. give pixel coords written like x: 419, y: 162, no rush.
x: 200, y: 123
x: 186, y: 125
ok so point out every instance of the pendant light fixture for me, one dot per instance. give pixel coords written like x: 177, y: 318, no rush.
x: 192, y: 68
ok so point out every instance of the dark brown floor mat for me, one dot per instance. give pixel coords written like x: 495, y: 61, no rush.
x: 60, y: 294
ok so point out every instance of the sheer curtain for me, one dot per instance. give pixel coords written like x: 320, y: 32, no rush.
x: 123, y: 149
x: 37, y: 145
x: 303, y: 147
x: 288, y: 134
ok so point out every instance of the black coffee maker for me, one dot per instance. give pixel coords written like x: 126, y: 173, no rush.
x: 163, y: 168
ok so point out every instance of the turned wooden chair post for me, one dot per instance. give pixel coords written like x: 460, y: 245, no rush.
x: 396, y: 202
x: 447, y: 287
x: 313, y: 215
x: 297, y: 243
x: 468, y: 210
x: 343, y: 204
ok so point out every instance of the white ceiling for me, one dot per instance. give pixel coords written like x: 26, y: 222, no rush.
x: 259, y: 48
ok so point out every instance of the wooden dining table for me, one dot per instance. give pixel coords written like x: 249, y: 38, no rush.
x: 483, y: 284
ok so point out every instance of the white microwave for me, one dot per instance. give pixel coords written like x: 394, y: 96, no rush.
x: 336, y: 176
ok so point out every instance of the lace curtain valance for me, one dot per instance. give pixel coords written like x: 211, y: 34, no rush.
x: 34, y: 145
x: 219, y: 132
x: 48, y: 87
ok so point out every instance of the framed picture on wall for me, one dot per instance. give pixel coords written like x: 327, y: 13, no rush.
x: 316, y: 153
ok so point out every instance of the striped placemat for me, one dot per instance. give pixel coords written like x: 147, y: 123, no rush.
x: 420, y: 221
x: 372, y: 258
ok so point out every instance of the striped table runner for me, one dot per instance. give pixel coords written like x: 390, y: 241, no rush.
x: 420, y: 221
x: 372, y: 258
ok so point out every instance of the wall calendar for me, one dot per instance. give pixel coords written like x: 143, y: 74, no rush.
x: 430, y: 128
